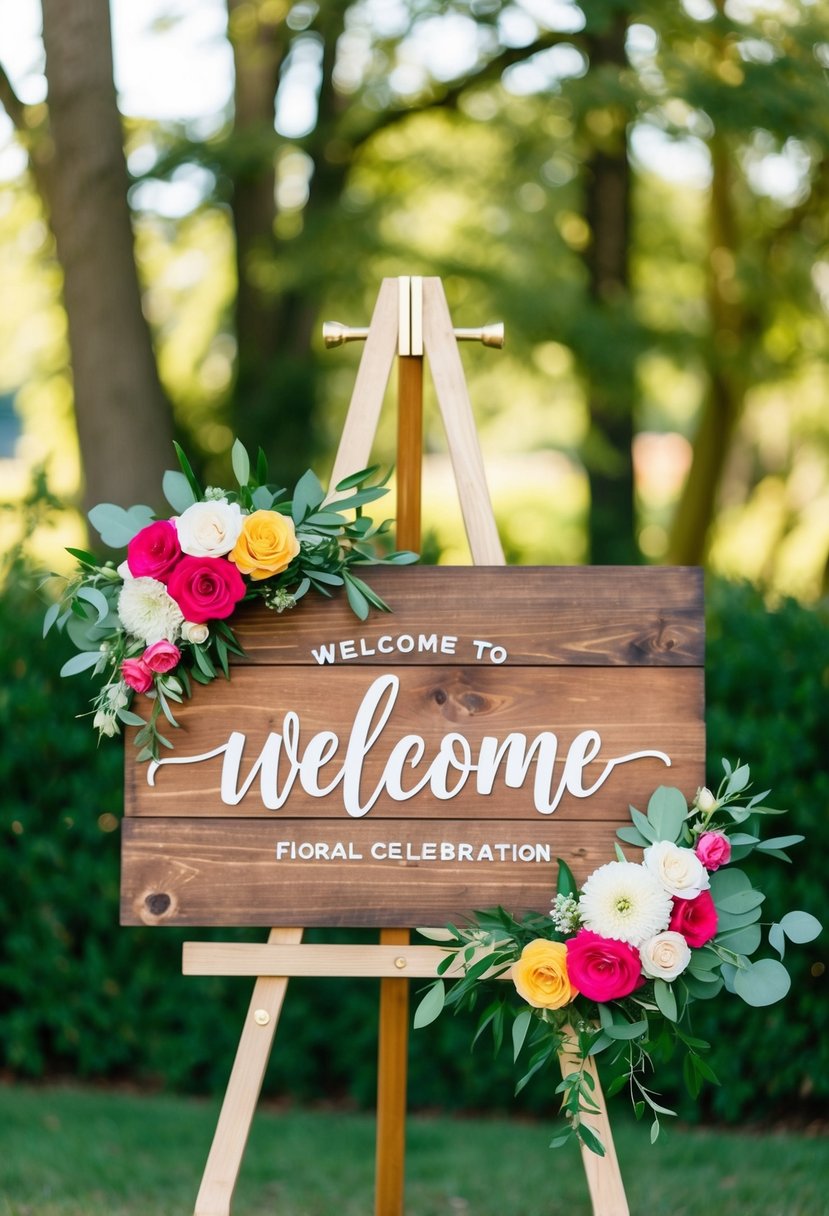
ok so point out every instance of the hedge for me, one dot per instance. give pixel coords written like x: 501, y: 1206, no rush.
x: 79, y: 995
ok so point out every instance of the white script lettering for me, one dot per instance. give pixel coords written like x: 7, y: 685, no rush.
x: 286, y: 759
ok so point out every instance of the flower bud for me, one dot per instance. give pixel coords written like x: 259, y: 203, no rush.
x: 705, y: 800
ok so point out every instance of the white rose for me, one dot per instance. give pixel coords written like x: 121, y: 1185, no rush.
x: 124, y: 571
x: 705, y: 800
x: 680, y: 871
x: 195, y: 631
x: 209, y: 529
x: 665, y: 956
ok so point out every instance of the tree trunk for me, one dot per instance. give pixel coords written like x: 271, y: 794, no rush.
x: 610, y: 371
x: 721, y: 410
x: 124, y: 421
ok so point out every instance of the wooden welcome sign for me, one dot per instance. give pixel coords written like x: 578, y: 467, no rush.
x: 427, y: 763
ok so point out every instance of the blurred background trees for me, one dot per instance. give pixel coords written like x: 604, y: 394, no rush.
x: 639, y: 190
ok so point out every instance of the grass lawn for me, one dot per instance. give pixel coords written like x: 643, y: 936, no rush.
x: 77, y: 1152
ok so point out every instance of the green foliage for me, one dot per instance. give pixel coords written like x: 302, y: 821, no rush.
x: 80, y: 995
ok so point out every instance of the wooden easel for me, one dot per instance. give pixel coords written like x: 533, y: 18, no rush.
x: 411, y: 319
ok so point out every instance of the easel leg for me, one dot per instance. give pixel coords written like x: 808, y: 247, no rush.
x: 391, y: 1087
x: 225, y: 1158
x: 604, y: 1178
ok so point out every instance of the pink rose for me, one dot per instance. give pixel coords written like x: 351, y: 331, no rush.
x: 154, y: 551
x: 602, y: 968
x: 161, y: 656
x: 206, y: 588
x: 695, y: 919
x: 713, y: 849
x: 137, y: 674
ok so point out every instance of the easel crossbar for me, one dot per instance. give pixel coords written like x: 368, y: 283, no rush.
x: 255, y: 959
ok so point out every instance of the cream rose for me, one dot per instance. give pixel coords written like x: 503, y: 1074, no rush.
x: 665, y: 956
x: 705, y: 800
x: 267, y: 544
x: 680, y: 871
x: 195, y: 631
x: 209, y: 529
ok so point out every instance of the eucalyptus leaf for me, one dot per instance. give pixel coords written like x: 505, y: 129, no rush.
x: 800, y: 927
x: 777, y: 939
x: 307, y: 496
x: 667, y: 812
x: 743, y: 940
x: 740, y: 901
x: 778, y: 842
x: 519, y: 1031
x: 665, y: 999
x: 240, y: 462
x: 52, y: 614
x: 631, y: 836
x: 702, y: 991
x: 98, y: 601
x: 177, y: 490
x: 116, y: 526
x: 80, y: 662
x: 762, y: 983
x: 628, y: 1030
x: 643, y: 825
x: 262, y: 498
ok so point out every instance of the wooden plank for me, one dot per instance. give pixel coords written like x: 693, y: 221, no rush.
x: 633, y: 710
x: 462, y: 440
x: 225, y: 872
x: 231, y: 1135
x: 604, y: 1178
x: 392, y: 1070
x: 587, y: 616
x: 338, y: 961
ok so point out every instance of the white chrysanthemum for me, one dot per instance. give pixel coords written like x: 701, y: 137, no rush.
x: 148, y: 612
x: 624, y: 901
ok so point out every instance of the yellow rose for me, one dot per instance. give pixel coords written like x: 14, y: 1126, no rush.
x: 267, y: 544
x: 540, y: 975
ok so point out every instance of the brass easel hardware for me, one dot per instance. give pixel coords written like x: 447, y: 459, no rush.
x: 334, y: 333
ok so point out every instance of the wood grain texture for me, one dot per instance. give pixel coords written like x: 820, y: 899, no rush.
x: 584, y: 616
x: 632, y: 710
x: 225, y: 872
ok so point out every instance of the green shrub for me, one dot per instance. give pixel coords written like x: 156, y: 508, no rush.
x: 80, y: 995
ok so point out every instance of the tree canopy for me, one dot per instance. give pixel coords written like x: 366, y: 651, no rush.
x: 639, y: 190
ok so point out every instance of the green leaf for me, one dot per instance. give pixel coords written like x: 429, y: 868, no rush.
x: 762, y: 983
x: 357, y: 601
x: 700, y: 990
x: 590, y: 1140
x: 188, y: 471
x: 262, y: 498
x: 80, y: 662
x: 744, y: 940
x: 129, y: 718
x: 665, y: 999
x: 643, y: 825
x: 738, y: 780
x: 627, y: 1030
x: 566, y: 884
x: 307, y: 496
x: 98, y: 601
x: 177, y: 490
x: 431, y: 1006
x: 800, y: 927
x: 667, y: 812
x: 519, y: 1031
x: 240, y: 462
x: 356, y: 479
x: 740, y: 901
x: 777, y: 939
x: 726, y: 881
x: 778, y: 842
x: 52, y: 614
x: 116, y: 526
x: 631, y: 836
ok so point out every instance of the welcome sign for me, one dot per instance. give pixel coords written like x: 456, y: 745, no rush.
x: 415, y: 767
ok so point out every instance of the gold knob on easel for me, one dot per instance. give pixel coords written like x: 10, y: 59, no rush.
x: 334, y: 333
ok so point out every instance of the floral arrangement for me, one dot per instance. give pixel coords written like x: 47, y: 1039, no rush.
x: 616, y: 966
x: 161, y: 619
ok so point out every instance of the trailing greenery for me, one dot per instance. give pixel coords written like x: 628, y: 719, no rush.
x: 80, y: 995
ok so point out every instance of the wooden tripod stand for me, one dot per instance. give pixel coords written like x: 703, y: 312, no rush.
x: 411, y: 320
